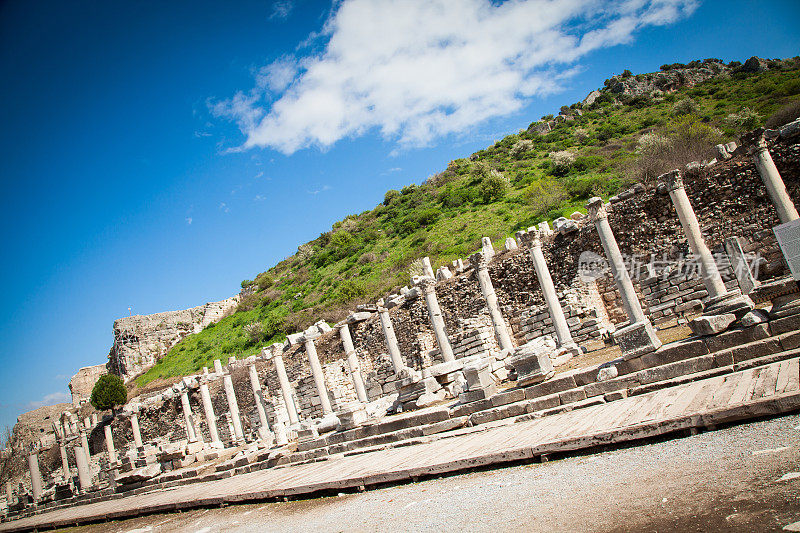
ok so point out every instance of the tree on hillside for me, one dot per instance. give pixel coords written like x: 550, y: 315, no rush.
x: 108, y: 392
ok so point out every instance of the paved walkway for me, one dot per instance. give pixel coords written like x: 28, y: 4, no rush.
x: 766, y: 390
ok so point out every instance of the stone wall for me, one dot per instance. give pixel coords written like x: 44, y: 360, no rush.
x: 82, y: 383
x: 141, y: 340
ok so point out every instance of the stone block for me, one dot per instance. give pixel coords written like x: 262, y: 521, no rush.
x: 602, y: 387
x: 553, y: 386
x: 679, y: 368
x: 572, y: 396
x: 544, y: 402
x: 531, y: 361
x: 475, y: 394
x: 711, y: 324
x: 478, y: 374
x: 784, y: 325
x: 737, y: 337
x: 756, y: 316
x: 637, y: 339
x: 615, y: 395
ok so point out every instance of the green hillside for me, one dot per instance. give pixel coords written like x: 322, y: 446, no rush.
x: 524, y: 178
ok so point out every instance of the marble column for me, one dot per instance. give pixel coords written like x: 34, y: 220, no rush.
x: 352, y: 363
x: 317, y: 373
x: 211, y: 418
x: 85, y: 444
x: 112, y: 453
x: 563, y: 334
x: 286, y: 387
x: 62, y: 447
x: 757, y: 148
x: 719, y: 299
x: 82, y: 462
x: 255, y: 384
x: 36, y: 476
x: 217, y: 367
x: 741, y: 268
x: 428, y: 286
x: 137, y: 435
x: 481, y: 264
x: 9, y: 493
x: 233, y: 408
x: 638, y: 337
x: 391, y: 338
x: 187, y: 416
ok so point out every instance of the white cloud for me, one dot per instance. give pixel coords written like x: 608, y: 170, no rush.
x: 189, y: 220
x: 51, y: 399
x: 281, y: 9
x: 321, y: 189
x: 416, y: 70
x: 224, y: 207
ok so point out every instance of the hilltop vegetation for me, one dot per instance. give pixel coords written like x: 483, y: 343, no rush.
x: 541, y: 173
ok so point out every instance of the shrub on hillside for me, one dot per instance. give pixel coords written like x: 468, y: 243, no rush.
x: 254, y: 331
x: 493, y: 187
x: 684, y: 106
x: 544, y: 195
x: 108, y: 393
x: 745, y: 120
x: 390, y: 195
x: 520, y: 148
x: 562, y: 161
x: 788, y: 113
x: 685, y: 140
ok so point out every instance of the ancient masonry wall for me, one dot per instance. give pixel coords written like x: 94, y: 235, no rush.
x: 141, y: 340
x: 729, y: 199
x: 82, y: 383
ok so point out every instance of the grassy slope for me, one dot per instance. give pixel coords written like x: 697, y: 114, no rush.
x: 368, y: 255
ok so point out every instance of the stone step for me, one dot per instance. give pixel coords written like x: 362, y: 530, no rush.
x: 680, y: 362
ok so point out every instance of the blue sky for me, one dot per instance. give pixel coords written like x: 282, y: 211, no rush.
x: 154, y: 154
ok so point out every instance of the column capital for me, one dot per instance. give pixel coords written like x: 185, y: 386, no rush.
x: 427, y: 284
x: 478, y: 261
x: 596, y: 208
x: 536, y: 239
x: 673, y: 179
x: 755, y: 141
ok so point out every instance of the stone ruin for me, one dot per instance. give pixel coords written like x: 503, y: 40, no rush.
x: 499, y: 325
x: 141, y: 340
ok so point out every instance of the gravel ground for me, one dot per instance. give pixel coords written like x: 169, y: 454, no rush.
x: 725, y: 480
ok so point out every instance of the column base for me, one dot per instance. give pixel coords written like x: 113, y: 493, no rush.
x: 731, y: 302
x: 532, y: 362
x: 637, y: 339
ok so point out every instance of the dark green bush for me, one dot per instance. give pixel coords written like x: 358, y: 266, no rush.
x: 108, y: 393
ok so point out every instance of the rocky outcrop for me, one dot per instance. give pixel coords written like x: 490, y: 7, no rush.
x: 82, y: 383
x: 141, y: 340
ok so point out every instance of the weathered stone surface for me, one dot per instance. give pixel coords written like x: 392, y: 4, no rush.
x: 473, y: 395
x: 532, y: 362
x: 712, y: 324
x: 140, y: 474
x: 756, y: 316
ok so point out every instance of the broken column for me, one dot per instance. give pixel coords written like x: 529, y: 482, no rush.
x: 82, y: 463
x: 112, y: 453
x: 352, y: 363
x: 211, y: 418
x: 487, y: 290
x: 391, y: 339
x: 757, y: 148
x: 316, y: 370
x: 720, y: 300
x: 85, y: 443
x: 563, y: 334
x: 437, y: 320
x: 638, y: 337
x: 738, y: 259
x: 427, y: 269
x: 36, y: 476
x: 263, y: 428
x: 187, y: 416
x: 286, y: 387
x: 62, y: 447
x: 137, y: 436
x: 233, y: 408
